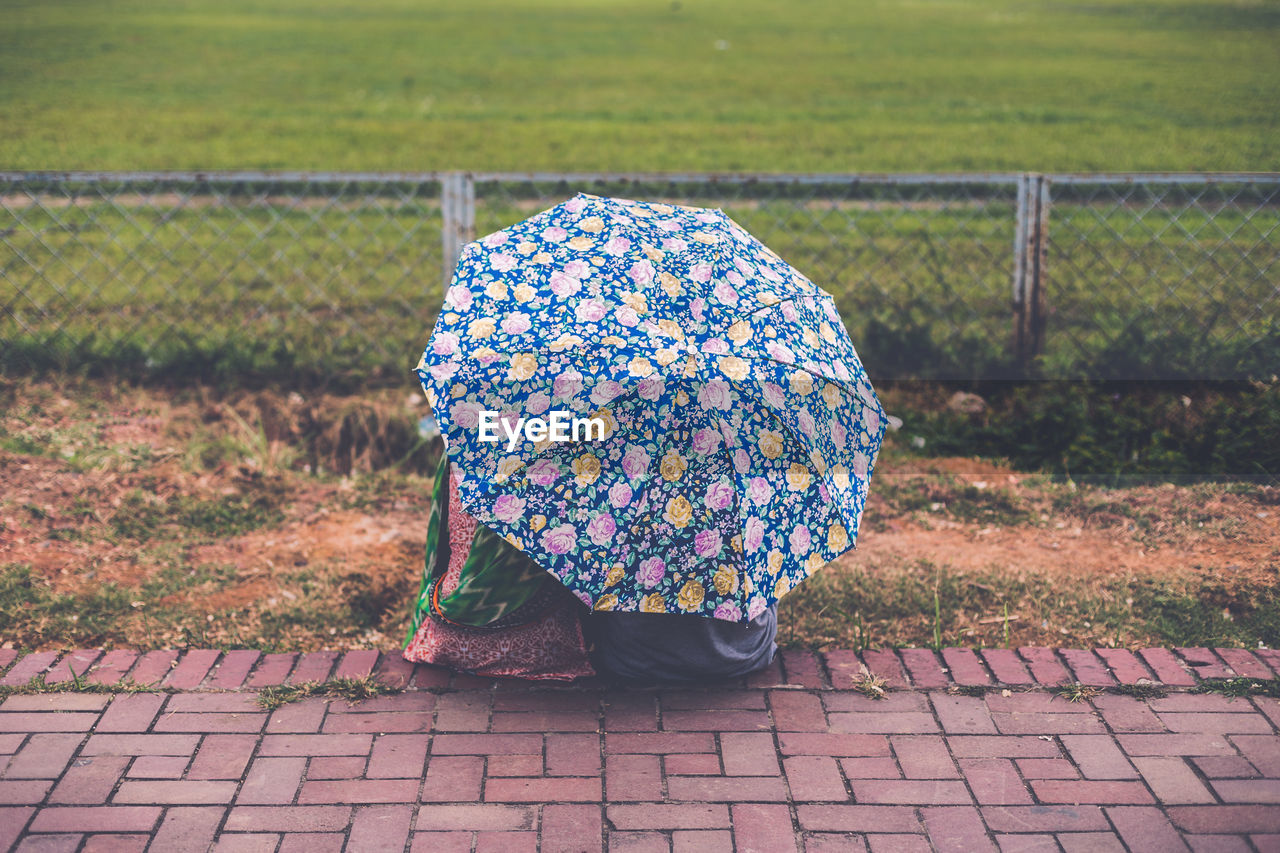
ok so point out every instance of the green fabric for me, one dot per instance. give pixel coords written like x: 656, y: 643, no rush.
x: 497, y: 577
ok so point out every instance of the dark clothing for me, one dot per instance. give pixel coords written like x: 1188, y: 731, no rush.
x: 676, y: 647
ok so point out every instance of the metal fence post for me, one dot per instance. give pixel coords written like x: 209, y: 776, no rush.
x: 458, y: 212
x: 1030, y: 244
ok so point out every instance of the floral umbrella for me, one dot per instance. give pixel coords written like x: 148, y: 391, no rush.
x: 735, y: 428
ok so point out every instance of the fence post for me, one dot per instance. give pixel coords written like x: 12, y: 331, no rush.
x: 458, y: 213
x: 1031, y: 238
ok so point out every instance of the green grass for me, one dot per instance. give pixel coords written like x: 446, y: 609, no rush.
x: 641, y: 84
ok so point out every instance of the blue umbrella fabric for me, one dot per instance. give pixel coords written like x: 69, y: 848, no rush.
x: 654, y: 406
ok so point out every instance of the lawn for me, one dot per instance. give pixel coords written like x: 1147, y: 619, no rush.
x: 810, y: 85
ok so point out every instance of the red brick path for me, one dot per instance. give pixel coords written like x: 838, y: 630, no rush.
x: 786, y: 761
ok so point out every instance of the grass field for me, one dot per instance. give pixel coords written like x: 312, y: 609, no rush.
x: 809, y: 85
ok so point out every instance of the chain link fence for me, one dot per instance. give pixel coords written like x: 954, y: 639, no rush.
x: 966, y: 276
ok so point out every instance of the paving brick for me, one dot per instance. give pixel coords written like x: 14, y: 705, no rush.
x: 1086, y: 667
x: 718, y: 789
x: 1204, y: 662
x: 571, y: 755
x: 833, y: 842
x: 884, y: 723
x: 358, y: 791
x: 225, y: 723
x: 336, y: 767
x: 112, y: 843
x: 62, y: 843
x: 703, y: 700
x: 924, y: 668
x: 348, y: 744
x: 10, y: 743
x: 311, y: 842
x: 1051, y: 818
x: 769, y: 676
x: 1090, y: 842
x: 380, y: 828
x: 1263, y: 751
x: 802, y: 668
x: 1248, y: 790
x: 188, y: 828
x: 639, y: 842
x: 657, y: 743
x: 1125, y: 666
x: 44, y: 757
x: 815, y: 778
x: 962, y: 715
x: 571, y: 828
x: 1269, y: 707
x: 713, y: 721
x: 1127, y: 714
x: 394, y: 670
x: 885, y: 663
x: 7, y: 656
x: 23, y: 792
x: 1175, y: 744
x: 27, y: 667
x: 762, y: 828
x: 1226, y: 819
x: 982, y: 746
x: 965, y: 666
x: 272, y: 781
x: 838, y: 745
x: 1269, y: 841
x: 870, y: 768
x: 271, y: 671
x: 56, y: 721
x: 568, y: 789
x: 246, y: 842
x: 479, y: 816
x: 1085, y: 791
x: 114, y: 744
x: 356, y: 664
x: 1172, y: 780
x: 923, y: 757
x: 288, y: 819
x: 471, y: 744
x: 12, y: 818
x: 216, y: 703
x: 956, y: 828
x: 313, y: 666
x: 132, y: 712
x: 170, y: 791
x: 152, y: 667
x: 75, y: 664
x: 89, y: 781
x: 158, y: 766
x: 303, y: 717
x: 857, y: 818
x: 845, y: 668
x: 909, y: 791
x: 696, y: 764
x: 995, y: 782
x: 453, y: 779
x: 55, y: 702
x: 1045, y: 666
x: 1216, y: 723
x: 1167, y: 667
x: 749, y: 754
x: 383, y: 723
x: 1098, y: 757
x: 506, y: 842
x: 797, y: 711
x: 1047, y: 768
x: 96, y: 819
x: 1048, y: 724
x: 1146, y: 830
x: 631, y: 713
x: 1225, y: 767
x: 898, y: 843
x: 395, y: 703
x: 234, y: 668
x: 702, y: 841
x: 893, y: 703
x: 522, y: 765
x: 1006, y: 666
x: 1041, y: 702
x: 1227, y: 844
x: 627, y: 816
x: 636, y: 778
x: 192, y: 668
x: 222, y: 756
x: 398, y: 756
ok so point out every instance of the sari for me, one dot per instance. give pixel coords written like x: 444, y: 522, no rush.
x: 485, y: 607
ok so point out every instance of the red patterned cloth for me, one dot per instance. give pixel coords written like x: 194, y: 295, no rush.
x: 549, y: 645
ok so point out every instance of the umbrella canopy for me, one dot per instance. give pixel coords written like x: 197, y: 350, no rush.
x: 653, y: 405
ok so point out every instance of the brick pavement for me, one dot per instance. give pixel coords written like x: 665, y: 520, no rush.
x: 791, y: 759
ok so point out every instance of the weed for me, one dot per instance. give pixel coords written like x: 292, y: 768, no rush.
x: 1239, y: 686
x: 1140, y: 690
x: 78, y: 684
x: 1077, y: 692
x: 976, y: 690
x: 869, y: 684
x: 352, y: 689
